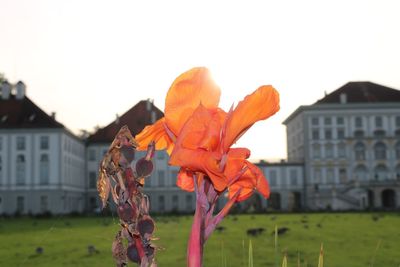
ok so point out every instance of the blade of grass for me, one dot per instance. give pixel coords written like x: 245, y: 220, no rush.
x: 284, y: 261
x: 321, y: 256
x: 243, y: 254
x: 276, y: 247
x: 376, y: 250
x: 250, y: 254
x: 298, y: 259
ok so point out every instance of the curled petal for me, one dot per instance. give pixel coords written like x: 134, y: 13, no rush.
x: 260, y: 105
x: 186, y: 93
x: 156, y: 133
x: 185, y: 180
x: 252, y: 179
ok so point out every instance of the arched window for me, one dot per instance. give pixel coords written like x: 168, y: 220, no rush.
x: 381, y: 172
x: 44, y: 169
x: 380, y: 150
x: 20, y: 170
x: 359, y: 149
x: 361, y: 173
x: 316, y: 151
x: 397, y: 147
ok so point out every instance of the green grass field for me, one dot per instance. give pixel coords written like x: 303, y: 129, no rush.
x: 349, y: 239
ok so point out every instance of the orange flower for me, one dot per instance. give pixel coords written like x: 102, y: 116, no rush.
x: 198, y: 135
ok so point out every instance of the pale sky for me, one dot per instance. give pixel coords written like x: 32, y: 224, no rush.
x: 90, y: 60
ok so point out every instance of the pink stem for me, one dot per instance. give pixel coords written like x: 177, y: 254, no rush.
x: 196, y: 239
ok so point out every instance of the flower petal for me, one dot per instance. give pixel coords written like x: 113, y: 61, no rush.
x: 186, y: 93
x: 156, y: 133
x: 261, y: 104
x: 185, y: 180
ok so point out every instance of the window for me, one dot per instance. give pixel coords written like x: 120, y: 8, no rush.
x: 175, y: 203
x: 381, y: 172
x: 20, y: 170
x: 327, y: 121
x: 398, y: 121
x: 316, y: 148
x: 330, y: 176
x: 1, y: 143
x: 329, y: 150
x: 340, y: 134
x: 378, y: 122
x: 397, y: 133
x: 359, y: 149
x: 44, y: 169
x: 342, y: 176
x: 92, y: 155
x: 20, y: 204
x: 380, y: 151
x: 314, y: 121
x: 397, y: 148
x: 328, y: 134
x: 174, y: 177
x: 361, y: 173
x: 293, y: 177
x: 92, y: 180
x: 43, y: 204
x: 359, y: 134
x: 161, y: 203
x: 358, y: 122
x: 272, y: 177
x: 161, y: 178
x: 379, y: 133
x: 317, y: 176
x: 315, y: 134
x: 160, y: 154
x: 189, y: 203
x: 342, y: 150
x: 339, y: 121
x: 1, y: 171
x: 44, y: 142
x: 20, y: 143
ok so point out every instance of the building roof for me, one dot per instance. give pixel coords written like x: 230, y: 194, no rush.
x: 136, y: 119
x: 23, y: 113
x: 353, y: 95
x: 362, y: 92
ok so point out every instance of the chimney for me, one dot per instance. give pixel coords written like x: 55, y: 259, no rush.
x: 153, y: 116
x: 343, y: 98
x: 116, y: 118
x: 148, y: 104
x: 5, y: 90
x: 21, y: 88
x: 53, y: 115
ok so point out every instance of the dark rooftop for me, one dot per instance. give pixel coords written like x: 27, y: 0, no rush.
x: 23, y: 113
x: 136, y: 119
x: 362, y: 92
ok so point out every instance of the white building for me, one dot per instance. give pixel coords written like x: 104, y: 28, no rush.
x: 286, y: 181
x: 349, y: 142
x: 41, y: 162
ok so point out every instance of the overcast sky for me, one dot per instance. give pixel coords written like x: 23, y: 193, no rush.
x: 89, y: 60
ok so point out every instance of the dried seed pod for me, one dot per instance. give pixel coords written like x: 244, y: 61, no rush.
x: 144, y: 167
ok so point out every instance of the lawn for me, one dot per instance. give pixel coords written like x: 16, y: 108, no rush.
x: 349, y: 239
